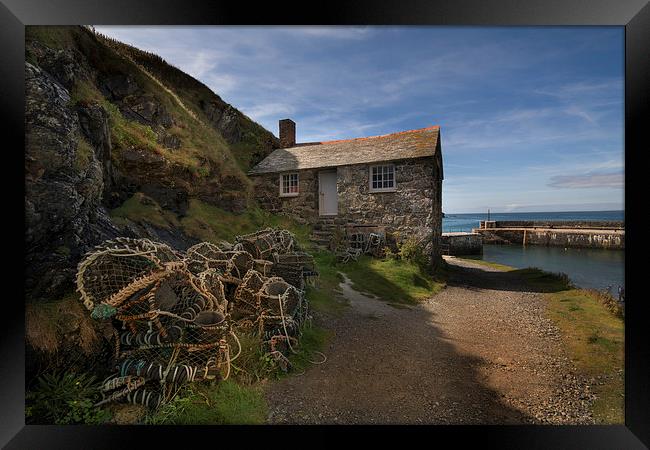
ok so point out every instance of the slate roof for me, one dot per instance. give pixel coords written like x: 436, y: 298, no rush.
x: 389, y: 147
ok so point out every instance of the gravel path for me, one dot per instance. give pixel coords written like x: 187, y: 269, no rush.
x: 479, y: 352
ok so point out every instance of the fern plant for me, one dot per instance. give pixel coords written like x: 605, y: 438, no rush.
x: 65, y: 398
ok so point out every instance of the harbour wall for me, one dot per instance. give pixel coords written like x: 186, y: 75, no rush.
x: 462, y: 243
x: 555, y: 224
x: 613, y: 239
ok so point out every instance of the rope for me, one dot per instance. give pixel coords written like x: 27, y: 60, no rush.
x: 283, y: 324
x: 154, y: 294
x: 238, y: 345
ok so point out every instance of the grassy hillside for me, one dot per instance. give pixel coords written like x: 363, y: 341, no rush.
x: 249, y: 141
x: 200, y: 161
x: 203, y: 221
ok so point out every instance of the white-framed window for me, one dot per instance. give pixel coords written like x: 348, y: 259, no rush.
x: 289, y: 184
x: 382, y: 178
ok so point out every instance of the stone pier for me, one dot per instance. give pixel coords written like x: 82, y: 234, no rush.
x: 569, y: 234
x: 462, y: 243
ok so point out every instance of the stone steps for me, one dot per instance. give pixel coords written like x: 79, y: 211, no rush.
x: 323, y: 232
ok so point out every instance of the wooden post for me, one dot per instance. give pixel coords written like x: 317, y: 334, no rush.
x: 524, y: 243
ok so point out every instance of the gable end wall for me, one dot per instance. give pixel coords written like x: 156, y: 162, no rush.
x: 414, y: 209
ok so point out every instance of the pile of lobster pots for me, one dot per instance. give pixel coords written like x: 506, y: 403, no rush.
x: 176, y: 315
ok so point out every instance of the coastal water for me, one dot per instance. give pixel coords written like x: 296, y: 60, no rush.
x: 587, y: 268
x: 465, y: 222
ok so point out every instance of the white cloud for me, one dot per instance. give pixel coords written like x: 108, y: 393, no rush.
x: 601, y: 180
x: 330, y: 32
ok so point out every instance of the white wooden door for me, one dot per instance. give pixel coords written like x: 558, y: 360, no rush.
x: 328, y: 203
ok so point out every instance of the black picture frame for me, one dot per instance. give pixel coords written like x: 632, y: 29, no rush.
x: 634, y: 15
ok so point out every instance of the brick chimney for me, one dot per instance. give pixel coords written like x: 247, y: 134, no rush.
x: 287, y: 133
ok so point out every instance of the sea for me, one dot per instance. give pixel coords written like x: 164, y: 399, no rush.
x: 587, y: 268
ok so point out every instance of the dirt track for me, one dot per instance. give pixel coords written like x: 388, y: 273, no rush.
x: 479, y: 352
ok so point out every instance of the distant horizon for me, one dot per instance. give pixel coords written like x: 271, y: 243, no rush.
x: 539, y: 212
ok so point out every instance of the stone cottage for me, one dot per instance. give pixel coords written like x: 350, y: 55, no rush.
x: 393, y: 182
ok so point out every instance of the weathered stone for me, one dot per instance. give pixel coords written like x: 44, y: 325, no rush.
x: 170, y: 141
x: 94, y: 123
x: 412, y: 210
x: 224, y: 118
x: 65, y: 66
x: 63, y: 190
x: 117, y: 86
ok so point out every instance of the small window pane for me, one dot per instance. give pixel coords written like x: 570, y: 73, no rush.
x: 382, y: 177
x: 289, y: 183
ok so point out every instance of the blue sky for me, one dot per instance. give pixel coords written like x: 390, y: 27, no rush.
x: 531, y: 117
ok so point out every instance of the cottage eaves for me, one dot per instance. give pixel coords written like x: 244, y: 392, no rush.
x: 389, y: 147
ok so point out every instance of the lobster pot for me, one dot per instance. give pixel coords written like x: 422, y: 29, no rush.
x: 208, y: 326
x: 146, y: 397
x: 238, y: 263
x: 174, y: 364
x: 106, y: 273
x: 292, y: 267
x: 261, y: 247
x: 166, y: 307
x: 246, y: 298
x: 301, y: 259
x: 205, y: 251
x: 291, y: 273
x: 150, y: 337
x: 138, y: 312
x: 110, y: 278
x: 358, y: 240
x: 262, y: 244
x: 263, y: 266
x: 190, y: 305
x: 279, y: 297
x: 173, y: 314
x: 210, y: 283
x: 197, y: 266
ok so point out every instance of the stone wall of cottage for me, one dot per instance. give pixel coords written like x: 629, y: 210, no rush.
x: 303, y: 207
x: 414, y: 209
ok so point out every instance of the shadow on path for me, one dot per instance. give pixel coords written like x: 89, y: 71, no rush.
x: 389, y: 366
x: 464, y: 274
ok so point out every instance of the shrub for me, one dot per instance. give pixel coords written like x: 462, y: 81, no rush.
x: 65, y: 398
x: 390, y: 254
x: 411, y: 250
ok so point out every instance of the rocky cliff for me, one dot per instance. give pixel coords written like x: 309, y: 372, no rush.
x: 108, y: 126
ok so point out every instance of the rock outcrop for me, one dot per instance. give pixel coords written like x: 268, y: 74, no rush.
x: 64, y: 182
x: 99, y: 128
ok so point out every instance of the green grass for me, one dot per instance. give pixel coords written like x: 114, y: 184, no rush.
x: 83, y: 155
x: 393, y: 280
x: 224, y: 403
x: 210, y: 223
x: 323, y: 296
x: 194, y: 94
x: 312, y: 342
x: 480, y: 261
x: 140, y: 208
x: 542, y: 281
x: 204, y: 221
x: 52, y: 36
x: 202, y: 147
x: 594, y: 338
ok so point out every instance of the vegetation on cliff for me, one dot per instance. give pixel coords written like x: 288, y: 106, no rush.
x: 118, y: 142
